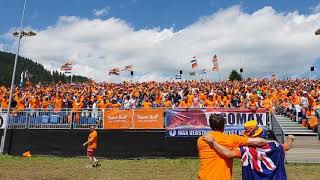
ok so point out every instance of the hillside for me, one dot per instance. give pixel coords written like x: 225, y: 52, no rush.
x: 37, y: 73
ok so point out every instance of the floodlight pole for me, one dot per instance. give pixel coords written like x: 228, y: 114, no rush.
x: 20, y: 34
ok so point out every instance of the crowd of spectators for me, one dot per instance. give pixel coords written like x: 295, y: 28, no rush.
x: 297, y: 99
x: 285, y: 94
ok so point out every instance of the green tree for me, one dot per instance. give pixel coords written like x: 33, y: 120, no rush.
x: 36, y: 72
x: 234, y: 75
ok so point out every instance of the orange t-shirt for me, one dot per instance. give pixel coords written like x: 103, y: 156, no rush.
x: 58, y: 103
x: 115, y: 106
x: 190, y: 98
x: 76, y: 106
x: 94, y: 136
x: 103, y: 105
x: 34, y: 103
x: 212, y: 165
x: 267, y: 103
x: 20, y: 105
x: 184, y: 104
x: 146, y: 104
x: 4, y: 103
x: 209, y: 103
x: 202, y: 96
x: 167, y: 104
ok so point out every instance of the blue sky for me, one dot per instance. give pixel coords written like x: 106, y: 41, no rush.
x: 139, y: 13
x: 159, y: 37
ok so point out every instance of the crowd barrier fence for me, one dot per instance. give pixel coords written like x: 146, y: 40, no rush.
x: 145, y: 118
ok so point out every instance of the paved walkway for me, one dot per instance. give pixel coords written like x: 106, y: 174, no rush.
x: 306, y: 149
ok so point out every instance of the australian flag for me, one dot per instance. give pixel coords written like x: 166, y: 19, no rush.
x: 264, y: 163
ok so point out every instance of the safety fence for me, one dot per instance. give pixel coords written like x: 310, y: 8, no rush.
x: 276, y: 128
x: 65, y: 119
x: 146, y: 118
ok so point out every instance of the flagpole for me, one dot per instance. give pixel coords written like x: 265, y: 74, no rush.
x: 206, y: 76
x: 198, y: 73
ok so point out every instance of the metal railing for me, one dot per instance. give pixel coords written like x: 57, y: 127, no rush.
x: 65, y: 119
x: 276, y: 128
x: 73, y: 119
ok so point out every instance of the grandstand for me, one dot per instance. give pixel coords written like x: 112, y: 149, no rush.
x: 149, y: 108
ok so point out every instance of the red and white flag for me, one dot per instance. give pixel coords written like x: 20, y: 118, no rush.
x: 114, y: 71
x: 128, y: 68
x: 215, y: 63
x: 66, y: 67
x: 194, y: 62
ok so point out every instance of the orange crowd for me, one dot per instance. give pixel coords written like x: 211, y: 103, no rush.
x: 185, y: 94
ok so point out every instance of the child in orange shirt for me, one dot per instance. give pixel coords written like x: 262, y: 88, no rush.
x: 92, y: 146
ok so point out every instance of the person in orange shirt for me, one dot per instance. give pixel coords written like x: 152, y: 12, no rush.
x: 267, y: 103
x: 104, y: 105
x: 20, y: 102
x: 185, y: 103
x: 210, y: 102
x: 252, y: 104
x: 45, y: 104
x: 4, y: 103
x: 92, y: 147
x: 34, y: 102
x: 212, y: 165
x: 167, y: 103
x: 190, y: 97
x: 58, y: 103
x: 146, y: 103
x: 252, y: 130
x: 115, y: 104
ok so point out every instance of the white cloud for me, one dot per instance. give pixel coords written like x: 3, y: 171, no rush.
x: 267, y: 42
x: 316, y: 9
x: 102, y: 12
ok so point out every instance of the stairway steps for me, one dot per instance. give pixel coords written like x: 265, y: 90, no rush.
x: 295, y: 128
x: 292, y: 127
x: 300, y: 133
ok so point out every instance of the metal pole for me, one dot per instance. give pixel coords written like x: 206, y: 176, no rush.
x: 3, y: 140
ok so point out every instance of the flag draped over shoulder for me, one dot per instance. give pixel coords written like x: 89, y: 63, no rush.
x: 114, y: 71
x: 128, y: 68
x: 263, y: 163
x: 215, y: 63
x: 194, y: 62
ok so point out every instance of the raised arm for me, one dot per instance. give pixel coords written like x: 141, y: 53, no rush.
x: 288, y: 144
x: 221, y: 149
x: 257, y: 142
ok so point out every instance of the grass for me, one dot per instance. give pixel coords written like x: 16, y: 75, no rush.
x: 148, y: 169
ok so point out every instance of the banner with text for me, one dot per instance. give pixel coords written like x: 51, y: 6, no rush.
x: 195, y: 122
x: 148, y: 119
x: 3, y: 120
x: 117, y: 119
